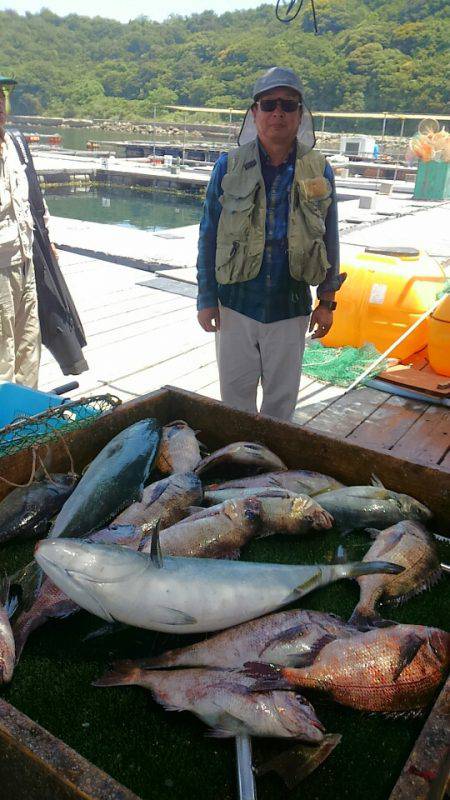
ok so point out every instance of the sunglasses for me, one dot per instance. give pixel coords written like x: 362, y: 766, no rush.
x: 288, y: 106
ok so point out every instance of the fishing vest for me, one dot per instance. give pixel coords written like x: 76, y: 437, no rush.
x: 16, y: 222
x: 242, y: 222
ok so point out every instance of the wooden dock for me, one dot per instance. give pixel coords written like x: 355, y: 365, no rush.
x: 142, y: 333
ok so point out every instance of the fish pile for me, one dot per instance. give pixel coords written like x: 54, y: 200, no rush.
x: 151, y: 537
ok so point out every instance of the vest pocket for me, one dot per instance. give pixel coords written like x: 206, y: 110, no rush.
x: 230, y: 260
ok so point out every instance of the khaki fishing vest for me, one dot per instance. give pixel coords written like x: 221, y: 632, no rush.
x: 241, y: 229
x: 16, y: 222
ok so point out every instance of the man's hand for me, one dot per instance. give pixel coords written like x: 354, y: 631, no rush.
x: 321, y: 321
x: 209, y: 319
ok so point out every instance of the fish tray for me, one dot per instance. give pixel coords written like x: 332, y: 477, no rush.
x: 54, y: 726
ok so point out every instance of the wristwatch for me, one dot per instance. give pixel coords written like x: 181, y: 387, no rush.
x: 330, y: 304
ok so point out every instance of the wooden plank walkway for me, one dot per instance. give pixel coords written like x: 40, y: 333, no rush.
x: 140, y: 338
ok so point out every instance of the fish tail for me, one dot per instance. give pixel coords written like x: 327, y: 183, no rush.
x: 295, y: 764
x: 122, y: 673
x: 357, y: 568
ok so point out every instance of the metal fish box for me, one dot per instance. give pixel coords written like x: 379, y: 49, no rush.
x: 36, y: 765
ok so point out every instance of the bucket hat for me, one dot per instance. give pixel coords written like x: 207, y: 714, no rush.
x: 274, y: 78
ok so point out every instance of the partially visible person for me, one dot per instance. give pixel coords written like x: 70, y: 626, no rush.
x: 20, y: 338
x: 35, y: 304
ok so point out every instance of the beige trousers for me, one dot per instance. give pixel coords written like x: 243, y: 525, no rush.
x: 20, y: 337
x: 249, y: 351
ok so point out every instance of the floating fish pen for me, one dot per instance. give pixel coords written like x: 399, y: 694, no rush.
x: 55, y: 726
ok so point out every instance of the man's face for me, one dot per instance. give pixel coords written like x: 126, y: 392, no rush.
x: 2, y: 106
x: 278, y: 126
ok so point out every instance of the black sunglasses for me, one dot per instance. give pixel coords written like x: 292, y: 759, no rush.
x: 269, y: 104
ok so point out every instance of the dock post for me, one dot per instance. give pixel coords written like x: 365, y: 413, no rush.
x: 154, y: 133
x: 184, y: 139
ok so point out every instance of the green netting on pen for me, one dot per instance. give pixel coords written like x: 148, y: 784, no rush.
x: 48, y: 426
x: 340, y: 365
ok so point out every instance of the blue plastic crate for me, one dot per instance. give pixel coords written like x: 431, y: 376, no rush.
x: 18, y: 401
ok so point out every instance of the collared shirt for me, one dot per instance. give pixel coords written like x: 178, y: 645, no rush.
x: 16, y: 222
x: 273, y: 295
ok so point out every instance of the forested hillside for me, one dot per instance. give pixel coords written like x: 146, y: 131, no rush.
x: 371, y: 55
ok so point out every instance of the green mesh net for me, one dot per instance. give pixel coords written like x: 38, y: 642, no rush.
x: 49, y: 425
x: 340, y: 365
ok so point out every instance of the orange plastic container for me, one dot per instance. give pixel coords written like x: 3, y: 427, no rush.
x: 387, y: 289
x: 439, y: 337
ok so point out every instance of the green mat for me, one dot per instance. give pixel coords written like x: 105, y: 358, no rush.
x: 340, y: 365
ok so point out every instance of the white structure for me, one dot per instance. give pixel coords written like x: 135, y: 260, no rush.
x: 356, y: 145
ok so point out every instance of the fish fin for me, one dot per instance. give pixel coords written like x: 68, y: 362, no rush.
x: 26, y: 584
x: 286, y: 636
x: 445, y: 567
x: 375, y: 481
x: 430, y: 581
x: 172, y: 616
x: 440, y: 538
x: 306, y: 659
x: 155, y: 547
x: 268, y: 677
x: 366, y: 620
x: 123, y: 672
x: 295, y: 764
x: 105, y: 630
x: 219, y: 733
x: 408, y: 652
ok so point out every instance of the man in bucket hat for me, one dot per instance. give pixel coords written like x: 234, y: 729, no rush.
x: 269, y: 231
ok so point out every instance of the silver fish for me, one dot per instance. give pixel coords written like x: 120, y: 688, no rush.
x: 180, y: 595
x: 114, y: 479
x: 280, y: 638
x: 244, y: 454
x: 300, y: 481
x: 7, y: 645
x: 371, y: 507
x: 281, y: 511
x: 410, y: 545
x: 179, y: 449
x: 223, y: 701
x: 217, y: 532
x: 166, y: 501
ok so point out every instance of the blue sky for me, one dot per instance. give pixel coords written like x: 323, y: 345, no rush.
x: 124, y: 11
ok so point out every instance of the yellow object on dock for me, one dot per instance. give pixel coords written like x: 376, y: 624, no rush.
x: 386, y: 291
x: 439, y: 337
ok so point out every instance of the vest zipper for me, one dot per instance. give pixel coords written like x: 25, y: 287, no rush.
x: 234, y: 249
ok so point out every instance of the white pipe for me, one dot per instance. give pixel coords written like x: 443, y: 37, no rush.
x: 392, y: 347
x: 245, y: 777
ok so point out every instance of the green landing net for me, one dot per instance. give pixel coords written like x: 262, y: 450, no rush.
x: 340, y: 365
x: 48, y: 426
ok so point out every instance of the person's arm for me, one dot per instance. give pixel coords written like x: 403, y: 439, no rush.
x: 207, y: 300
x: 322, y: 317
